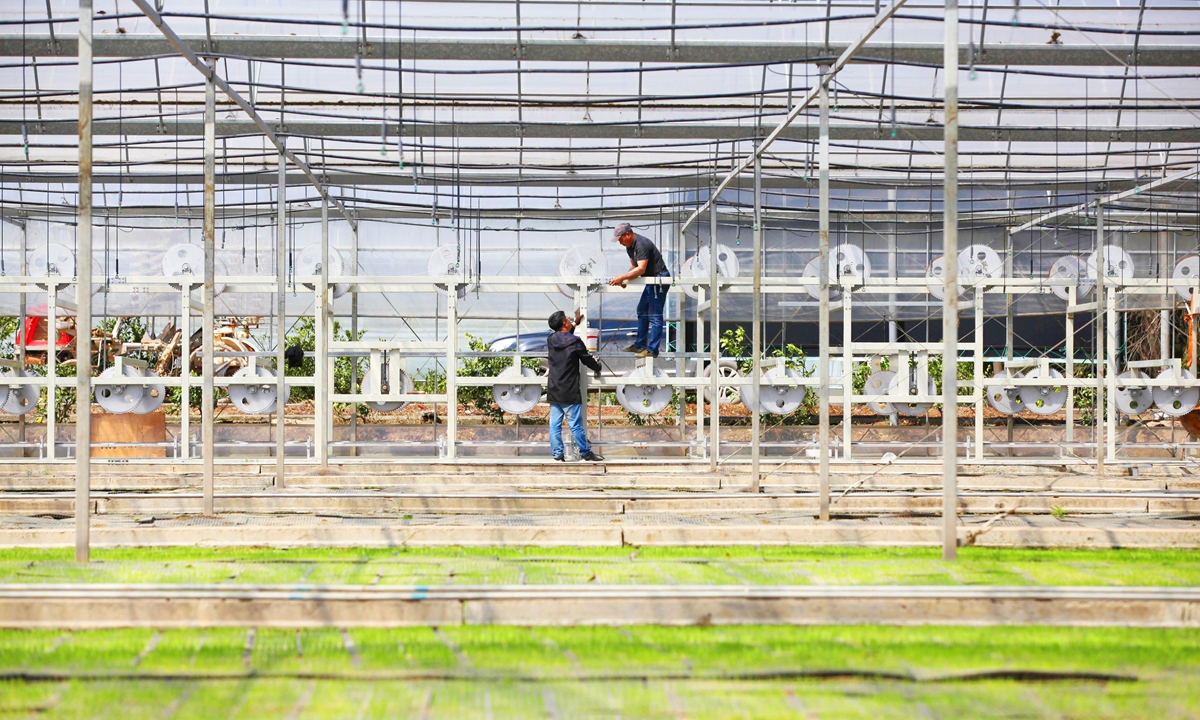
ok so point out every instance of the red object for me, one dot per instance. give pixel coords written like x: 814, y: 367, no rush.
x: 36, y: 331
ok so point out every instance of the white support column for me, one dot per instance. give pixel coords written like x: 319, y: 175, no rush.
x: 950, y: 300
x: 354, y: 335
x: 714, y: 349
x: 756, y: 334
x: 1110, y: 374
x: 208, y: 346
x: 321, y: 409
x: 452, y: 371
x: 281, y: 392
x: 978, y: 388
x: 1070, y: 366
x: 1098, y: 411
x: 83, y: 300
x: 823, y: 321
x: 185, y: 368
x: 847, y: 374
x: 52, y: 370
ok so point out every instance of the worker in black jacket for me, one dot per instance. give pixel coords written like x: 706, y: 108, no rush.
x: 566, y: 351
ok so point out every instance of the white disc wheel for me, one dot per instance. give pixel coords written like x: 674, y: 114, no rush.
x: 729, y: 394
x: 686, y: 272
x: 120, y: 399
x: 935, y: 273
x: 1186, y: 276
x: 186, y: 259
x: 977, y: 261
x: 879, y: 383
x: 308, y: 262
x: 1133, y: 400
x: 906, y: 384
x: 19, y: 399
x: 581, y: 262
x: 7, y: 391
x: 1118, y: 265
x: 517, y: 399
x: 254, y: 399
x: 848, y: 263
x: 152, y: 396
x: 1002, y: 399
x: 1070, y: 267
x: 1177, y: 400
x: 384, y: 406
x: 645, y: 399
x: 444, y: 261
x: 52, y: 259
x: 811, y: 277
x: 727, y: 262
x: 776, y: 399
x: 1044, y: 399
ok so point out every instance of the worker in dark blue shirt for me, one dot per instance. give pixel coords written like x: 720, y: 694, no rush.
x: 644, y: 261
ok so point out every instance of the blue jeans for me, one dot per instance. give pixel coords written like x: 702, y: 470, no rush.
x: 650, y: 316
x: 574, y: 415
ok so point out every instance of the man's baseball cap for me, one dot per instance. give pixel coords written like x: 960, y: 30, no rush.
x: 620, y: 230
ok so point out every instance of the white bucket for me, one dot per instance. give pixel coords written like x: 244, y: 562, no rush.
x: 591, y: 339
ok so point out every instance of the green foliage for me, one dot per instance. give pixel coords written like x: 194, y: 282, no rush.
x: 736, y: 344
x: 304, y: 334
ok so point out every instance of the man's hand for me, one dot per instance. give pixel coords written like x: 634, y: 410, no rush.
x: 578, y: 316
x: 617, y: 282
x: 596, y: 375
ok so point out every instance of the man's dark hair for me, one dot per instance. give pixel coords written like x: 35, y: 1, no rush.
x: 557, y: 319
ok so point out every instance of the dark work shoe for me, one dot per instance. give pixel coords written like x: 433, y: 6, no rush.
x: 647, y: 354
x: 593, y: 457
x: 559, y: 459
x: 634, y: 349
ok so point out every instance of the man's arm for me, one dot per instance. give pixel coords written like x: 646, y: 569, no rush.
x: 585, y: 357
x: 636, y: 271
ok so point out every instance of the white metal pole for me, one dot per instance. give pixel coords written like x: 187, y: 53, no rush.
x: 950, y: 289
x: 209, y: 342
x: 281, y: 324
x: 83, y: 300
x: 823, y: 283
x: 321, y: 411
x: 756, y: 334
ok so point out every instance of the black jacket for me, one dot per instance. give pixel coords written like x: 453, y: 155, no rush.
x: 566, y: 351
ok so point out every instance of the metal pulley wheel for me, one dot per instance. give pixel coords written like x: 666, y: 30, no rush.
x: 1177, y: 400
x: 1133, y: 400
x: 406, y: 387
x: 812, y: 271
x: 254, y: 399
x: 517, y: 399
x: 776, y: 399
x: 187, y: 259
x: 52, y: 259
x: 1185, y: 276
x: 1071, y: 267
x: 729, y: 394
x: 1002, y: 399
x: 906, y: 384
x: 687, y: 271
x: 308, y: 262
x: 1044, y: 399
x: 880, y: 383
x: 582, y: 262
x: 19, y: 399
x: 935, y: 274
x: 443, y: 261
x: 152, y: 396
x: 6, y: 390
x: 1118, y: 265
x: 645, y: 399
x: 976, y: 261
x: 120, y: 399
x: 727, y: 262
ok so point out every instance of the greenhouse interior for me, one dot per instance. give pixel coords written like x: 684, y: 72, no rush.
x: 295, y: 297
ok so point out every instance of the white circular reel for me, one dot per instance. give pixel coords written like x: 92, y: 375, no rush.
x: 120, y: 399
x: 1185, y: 276
x: 906, y: 384
x: 19, y: 399
x: 848, y: 263
x: 1118, y: 265
x: 727, y: 262
x: 812, y: 271
x: 1005, y: 400
x: 776, y: 399
x: 1071, y: 267
x: 152, y: 396
x: 255, y: 399
x: 187, y: 259
x: 52, y: 259
x: 308, y: 262
x: 517, y: 399
x: 687, y: 271
x: 976, y: 261
x: 1176, y: 401
x: 581, y: 261
x: 383, y: 406
x: 1044, y: 399
x: 1133, y: 400
x: 645, y: 399
x: 729, y: 394
x: 879, y: 383
x: 934, y: 273
x: 444, y: 261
